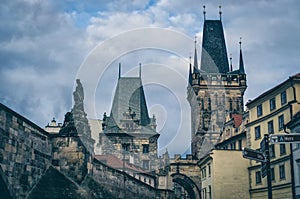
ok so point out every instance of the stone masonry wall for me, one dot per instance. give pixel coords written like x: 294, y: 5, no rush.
x: 70, y: 157
x: 125, y: 187
x: 25, y: 152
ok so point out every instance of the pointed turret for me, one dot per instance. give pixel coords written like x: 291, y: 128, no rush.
x: 119, y: 70
x: 190, y: 73
x: 196, y: 69
x: 241, y: 65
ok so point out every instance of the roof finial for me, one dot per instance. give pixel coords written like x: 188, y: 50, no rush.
x: 195, y: 41
x: 119, y: 70
x: 204, y: 12
x: 230, y: 62
x: 220, y: 12
x: 240, y: 43
x: 140, y: 70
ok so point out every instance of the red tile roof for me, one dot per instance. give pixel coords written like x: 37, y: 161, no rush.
x: 297, y: 75
x: 117, y: 163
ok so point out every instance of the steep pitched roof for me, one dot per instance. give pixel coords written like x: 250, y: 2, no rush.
x: 214, y: 54
x: 129, y: 94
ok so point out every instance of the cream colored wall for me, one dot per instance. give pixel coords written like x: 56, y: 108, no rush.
x: 229, y: 175
x: 281, y: 188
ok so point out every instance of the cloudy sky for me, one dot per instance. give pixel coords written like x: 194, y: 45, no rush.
x: 46, y: 44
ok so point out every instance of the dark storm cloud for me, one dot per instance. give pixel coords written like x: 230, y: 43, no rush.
x: 36, y: 73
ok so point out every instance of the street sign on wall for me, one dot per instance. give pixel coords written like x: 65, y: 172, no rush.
x: 254, y: 155
x: 285, y: 138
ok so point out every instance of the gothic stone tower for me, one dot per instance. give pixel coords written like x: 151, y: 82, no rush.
x: 128, y: 132
x: 215, y: 90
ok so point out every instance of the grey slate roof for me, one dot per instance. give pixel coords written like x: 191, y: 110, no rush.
x: 214, y: 54
x: 129, y: 93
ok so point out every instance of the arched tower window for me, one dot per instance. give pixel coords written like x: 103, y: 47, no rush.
x: 223, y: 99
x: 216, y: 99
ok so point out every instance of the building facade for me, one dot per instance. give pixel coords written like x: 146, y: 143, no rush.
x: 224, y: 174
x: 268, y: 114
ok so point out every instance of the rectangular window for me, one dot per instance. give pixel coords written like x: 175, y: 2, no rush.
x: 125, y: 147
x: 282, y: 149
x: 281, y: 172
x: 146, y: 164
x: 204, y: 193
x: 272, y: 104
x: 270, y: 127
x: 272, y: 174
x: 203, y: 171
x: 298, y: 165
x: 283, y: 97
x: 272, y: 151
x: 145, y: 148
x: 258, y: 177
x: 257, y: 132
x: 259, y: 110
x: 209, y: 192
x: 209, y: 170
x: 280, y: 122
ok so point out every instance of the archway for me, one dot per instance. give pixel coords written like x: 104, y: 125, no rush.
x: 188, y: 184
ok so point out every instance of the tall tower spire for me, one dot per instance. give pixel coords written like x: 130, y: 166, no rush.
x: 195, y: 57
x: 241, y: 64
x: 190, y: 71
x: 211, y: 103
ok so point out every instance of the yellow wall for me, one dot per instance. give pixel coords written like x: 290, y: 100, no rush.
x: 229, y: 175
x: 282, y: 188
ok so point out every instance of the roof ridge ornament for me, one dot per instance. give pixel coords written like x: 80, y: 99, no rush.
x: 240, y: 43
x: 204, y: 12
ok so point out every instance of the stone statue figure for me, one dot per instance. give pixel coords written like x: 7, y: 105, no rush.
x: 78, y: 94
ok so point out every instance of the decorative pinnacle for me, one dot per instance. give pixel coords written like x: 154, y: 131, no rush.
x: 220, y: 12
x: 140, y: 70
x: 204, y: 12
x: 240, y: 42
x: 190, y: 57
x: 230, y: 62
